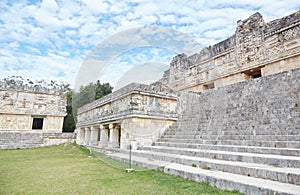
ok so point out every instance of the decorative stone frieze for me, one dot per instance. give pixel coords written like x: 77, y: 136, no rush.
x: 255, y: 45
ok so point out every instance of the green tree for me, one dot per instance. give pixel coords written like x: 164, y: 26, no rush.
x: 69, y: 122
x: 89, y: 93
x: 102, y: 89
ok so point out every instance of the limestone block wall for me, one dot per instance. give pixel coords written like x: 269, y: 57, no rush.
x: 143, y: 131
x: 264, y: 106
x: 12, y: 122
x: 22, y: 122
x: 19, y: 139
x: 57, y: 138
x: 18, y: 108
x: 256, y: 46
x: 53, y: 124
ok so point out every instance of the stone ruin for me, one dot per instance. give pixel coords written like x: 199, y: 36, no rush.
x: 31, y: 116
x: 228, y: 115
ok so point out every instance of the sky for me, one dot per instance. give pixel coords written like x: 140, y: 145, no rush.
x: 69, y: 40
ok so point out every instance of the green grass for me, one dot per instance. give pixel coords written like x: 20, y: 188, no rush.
x: 67, y: 169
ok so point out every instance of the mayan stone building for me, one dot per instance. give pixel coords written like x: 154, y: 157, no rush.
x: 31, y: 116
x: 256, y: 49
x: 137, y: 108
x: 228, y: 115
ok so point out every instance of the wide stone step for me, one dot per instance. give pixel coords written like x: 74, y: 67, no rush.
x: 274, y: 160
x: 285, y: 175
x: 14, y: 146
x: 191, y: 131
x: 234, y: 148
x: 39, y: 141
x: 223, y: 180
x: 276, y: 144
x: 235, y: 137
x: 262, y: 132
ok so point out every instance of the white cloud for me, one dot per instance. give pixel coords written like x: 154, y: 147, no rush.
x: 96, y: 6
x: 170, y: 18
x: 51, y: 38
x: 49, y: 6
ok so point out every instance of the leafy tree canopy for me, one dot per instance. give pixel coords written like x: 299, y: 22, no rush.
x: 89, y: 93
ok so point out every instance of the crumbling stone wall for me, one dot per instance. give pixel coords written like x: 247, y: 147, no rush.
x: 20, y: 106
x: 256, y: 46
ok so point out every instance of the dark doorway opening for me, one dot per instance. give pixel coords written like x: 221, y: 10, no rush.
x: 119, y: 137
x: 254, y: 73
x: 99, y: 135
x: 37, y: 123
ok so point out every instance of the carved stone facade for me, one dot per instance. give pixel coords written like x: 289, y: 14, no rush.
x: 136, y: 112
x: 141, y: 113
x: 36, y: 112
x: 256, y: 49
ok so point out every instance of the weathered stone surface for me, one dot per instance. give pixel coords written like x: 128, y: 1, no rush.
x: 256, y: 45
x: 141, y: 112
x: 19, y: 106
x: 245, y: 111
x: 20, y: 139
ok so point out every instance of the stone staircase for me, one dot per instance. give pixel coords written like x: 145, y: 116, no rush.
x: 227, y: 164
x: 243, y: 137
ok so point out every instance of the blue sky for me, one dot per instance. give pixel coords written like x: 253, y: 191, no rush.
x: 51, y: 39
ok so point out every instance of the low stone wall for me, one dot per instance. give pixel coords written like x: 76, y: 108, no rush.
x: 15, y: 139
x: 58, y: 138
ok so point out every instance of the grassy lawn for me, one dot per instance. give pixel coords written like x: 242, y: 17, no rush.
x: 66, y: 169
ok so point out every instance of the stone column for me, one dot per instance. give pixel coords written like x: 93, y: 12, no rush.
x: 103, y: 136
x: 123, y: 144
x: 87, y: 136
x: 80, y: 136
x: 94, y: 136
x: 113, y: 136
x: 117, y: 136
